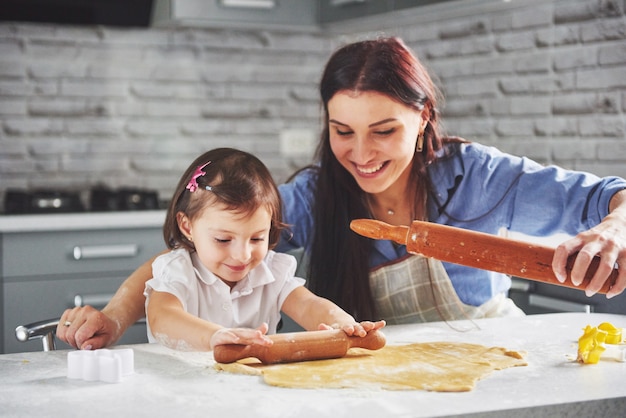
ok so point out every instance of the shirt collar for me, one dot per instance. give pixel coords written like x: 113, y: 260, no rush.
x: 445, y: 174
x: 257, y: 277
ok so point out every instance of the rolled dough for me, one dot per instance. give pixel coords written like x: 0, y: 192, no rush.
x: 435, y: 366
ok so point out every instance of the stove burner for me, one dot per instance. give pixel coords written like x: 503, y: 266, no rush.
x: 123, y: 199
x: 40, y: 201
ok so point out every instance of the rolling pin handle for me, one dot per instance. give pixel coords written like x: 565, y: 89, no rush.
x: 380, y: 230
x: 374, y: 340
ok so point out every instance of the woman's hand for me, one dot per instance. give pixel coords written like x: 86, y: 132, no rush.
x: 86, y: 328
x: 357, y: 329
x: 606, y: 240
x: 243, y: 336
x: 90, y: 329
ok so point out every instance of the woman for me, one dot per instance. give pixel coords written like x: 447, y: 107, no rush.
x: 382, y: 155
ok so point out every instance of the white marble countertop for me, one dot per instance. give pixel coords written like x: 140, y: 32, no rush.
x: 81, y: 221
x: 182, y: 384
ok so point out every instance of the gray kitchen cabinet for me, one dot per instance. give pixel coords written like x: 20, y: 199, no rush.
x: 45, y: 272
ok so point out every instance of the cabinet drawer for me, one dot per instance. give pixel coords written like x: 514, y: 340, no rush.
x: 36, y: 299
x: 53, y: 253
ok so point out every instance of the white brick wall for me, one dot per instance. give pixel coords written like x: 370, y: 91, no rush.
x: 542, y: 79
x: 131, y: 107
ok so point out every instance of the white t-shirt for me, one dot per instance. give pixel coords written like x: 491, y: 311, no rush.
x: 256, y: 299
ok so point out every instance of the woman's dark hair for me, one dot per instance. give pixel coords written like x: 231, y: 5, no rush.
x: 339, y: 266
x: 237, y: 180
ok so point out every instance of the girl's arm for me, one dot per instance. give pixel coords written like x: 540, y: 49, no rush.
x: 175, y: 328
x: 312, y: 312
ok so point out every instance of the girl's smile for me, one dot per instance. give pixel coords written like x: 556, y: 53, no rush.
x: 237, y: 268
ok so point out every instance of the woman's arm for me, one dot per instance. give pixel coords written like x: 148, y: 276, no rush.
x: 312, y: 312
x: 297, y: 201
x: 91, y: 329
x: 606, y: 240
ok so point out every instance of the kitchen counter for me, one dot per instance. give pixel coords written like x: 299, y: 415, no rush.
x: 172, y: 383
x: 81, y: 221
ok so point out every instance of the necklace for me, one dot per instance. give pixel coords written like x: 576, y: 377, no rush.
x: 417, y: 208
x: 390, y: 211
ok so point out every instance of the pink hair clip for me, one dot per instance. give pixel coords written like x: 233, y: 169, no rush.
x: 192, y: 186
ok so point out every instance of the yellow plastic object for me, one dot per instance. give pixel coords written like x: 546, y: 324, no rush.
x: 591, y: 343
x: 613, y: 334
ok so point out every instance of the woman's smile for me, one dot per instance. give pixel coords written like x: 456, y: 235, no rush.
x: 367, y: 170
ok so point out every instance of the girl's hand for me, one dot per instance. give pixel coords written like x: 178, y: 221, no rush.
x: 606, y: 240
x: 243, y: 336
x: 356, y: 329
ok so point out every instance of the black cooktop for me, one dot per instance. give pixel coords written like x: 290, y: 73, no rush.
x: 99, y: 199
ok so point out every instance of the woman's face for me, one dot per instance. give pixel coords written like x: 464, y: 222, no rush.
x: 373, y: 137
x: 229, y: 244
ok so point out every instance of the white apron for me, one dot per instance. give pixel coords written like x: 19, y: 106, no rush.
x: 418, y: 289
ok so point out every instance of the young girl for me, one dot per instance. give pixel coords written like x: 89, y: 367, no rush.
x: 221, y: 283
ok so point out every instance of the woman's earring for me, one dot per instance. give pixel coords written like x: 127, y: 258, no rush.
x: 420, y: 141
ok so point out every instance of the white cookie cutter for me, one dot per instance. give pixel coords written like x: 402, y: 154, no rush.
x: 103, y: 365
x: 614, y: 352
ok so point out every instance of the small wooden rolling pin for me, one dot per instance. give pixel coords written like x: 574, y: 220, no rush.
x: 477, y: 249
x: 300, y: 346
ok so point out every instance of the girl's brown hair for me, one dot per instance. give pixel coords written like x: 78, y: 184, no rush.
x: 235, y: 179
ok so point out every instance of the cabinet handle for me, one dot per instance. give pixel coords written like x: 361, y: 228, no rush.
x: 560, y: 305
x: 105, y: 251
x: 97, y: 301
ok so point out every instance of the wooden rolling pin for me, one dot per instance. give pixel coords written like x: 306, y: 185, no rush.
x: 300, y: 346
x: 479, y: 250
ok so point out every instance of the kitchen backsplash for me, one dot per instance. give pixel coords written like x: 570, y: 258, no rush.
x: 86, y: 106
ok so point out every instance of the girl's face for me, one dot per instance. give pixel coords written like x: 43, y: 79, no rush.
x: 229, y: 244
x: 373, y: 137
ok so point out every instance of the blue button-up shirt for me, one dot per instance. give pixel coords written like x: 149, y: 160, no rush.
x: 482, y: 189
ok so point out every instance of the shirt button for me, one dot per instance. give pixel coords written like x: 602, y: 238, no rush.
x: 225, y: 306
